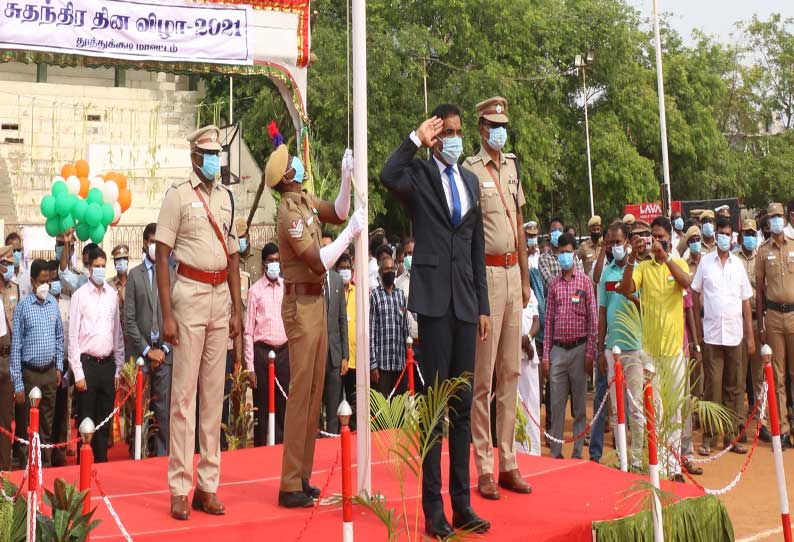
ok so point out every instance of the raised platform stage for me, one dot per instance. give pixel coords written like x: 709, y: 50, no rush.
x: 569, y: 495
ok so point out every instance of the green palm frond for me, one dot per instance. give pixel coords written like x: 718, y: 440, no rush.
x: 377, y: 505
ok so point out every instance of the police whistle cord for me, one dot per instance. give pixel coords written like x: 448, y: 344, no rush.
x: 110, y: 508
x: 317, y: 501
x: 733, y: 483
x: 586, y: 428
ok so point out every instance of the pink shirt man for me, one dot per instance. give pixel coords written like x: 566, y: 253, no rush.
x: 94, y: 327
x: 263, y: 321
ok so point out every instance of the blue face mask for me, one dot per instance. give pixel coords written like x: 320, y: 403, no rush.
x: 407, y: 262
x: 723, y: 242
x: 776, y: 224
x: 566, y: 260
x: 55, y: 287
x: 58, y: 253
x: 749, y: 242
x: 497, y: 137
x: 273, y: 270
x: 708, y: 229
x: 452, y: 149
x: 532, y: 241
x: 211, y: 166
x: 678, y: 223
x: 300, y: 171
x: 243, y: 244
x: 18, y: 257
x: 555, y: 236
x: 695, y: 247
x: 121, y: 266
x: 619, y: 252
x: 98, y: 275
x: 9, y: 274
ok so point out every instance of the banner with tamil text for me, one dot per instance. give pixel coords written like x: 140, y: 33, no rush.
x: 141, y: 30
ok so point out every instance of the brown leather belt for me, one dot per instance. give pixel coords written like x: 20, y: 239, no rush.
x: 303, y: 288
x: 501, y: 260
x: 213, y: 278
x: 570, y: 345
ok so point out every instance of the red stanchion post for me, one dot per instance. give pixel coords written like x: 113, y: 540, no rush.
x: 34, y: 459
x: 653, y: 460
x: 86, y: 429
x: 138, y: 408
x: 344, y: 412
x: 271, y: 398
x: 774, y: 426
x: 621, y: 428
x: 410, y: 363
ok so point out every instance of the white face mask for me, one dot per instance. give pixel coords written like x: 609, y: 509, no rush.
x: 150, y: 252
x: 42, y: 291
x: 346, y: 275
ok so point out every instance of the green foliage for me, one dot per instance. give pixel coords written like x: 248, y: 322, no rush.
x: 241, y: 417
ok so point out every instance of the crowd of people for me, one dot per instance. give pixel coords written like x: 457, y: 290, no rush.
x: 531, y: 316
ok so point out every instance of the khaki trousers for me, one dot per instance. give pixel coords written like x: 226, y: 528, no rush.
x: 723, y: 379
x: 780, y: 336
x: 306, y: 325
x: 756, y: 374
x: 202, y: 315
x: 501, y: 353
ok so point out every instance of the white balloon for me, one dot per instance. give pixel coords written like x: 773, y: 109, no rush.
x: 110, y: 192
x: 97, y: 182
x: 73, y: 184
x: 116, y: 212
x: 57, y: 178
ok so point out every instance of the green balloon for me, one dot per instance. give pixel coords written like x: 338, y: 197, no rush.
x: 79, y: 209
x: 52, y: 226
x: 93, y: 215
x: 48, y: 206
x: 62, y: 205
x: 97, y: 233
x: 83, y: 231
x: 59, y: 189
x: 94, y: 196
x: 67, y: 222
x: 107, y: 214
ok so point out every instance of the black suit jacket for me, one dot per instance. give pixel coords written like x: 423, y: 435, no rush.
x: 448, y: 264
x: 336, y: 306
x: 142, y: 300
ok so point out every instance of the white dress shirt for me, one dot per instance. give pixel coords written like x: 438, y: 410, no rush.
x: 788, y: 230
x: 533, y: 260
x: 723, y: 289
x: 465, y: 203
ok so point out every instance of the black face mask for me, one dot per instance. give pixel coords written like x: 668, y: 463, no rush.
x: 664, y: 245
x: 594, y: 237
x: 387, y: 279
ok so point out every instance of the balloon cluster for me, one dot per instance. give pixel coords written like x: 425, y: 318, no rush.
x: 88, y: 206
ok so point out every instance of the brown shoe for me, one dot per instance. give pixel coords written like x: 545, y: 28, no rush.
x: 207, y: 502
x: 487, y: 487
x: 179, y: 507
x: 512, y: 480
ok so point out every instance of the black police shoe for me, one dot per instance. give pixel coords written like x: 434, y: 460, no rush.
x: 467, y: 519
x: 310, y: 490
x: 294, y: 499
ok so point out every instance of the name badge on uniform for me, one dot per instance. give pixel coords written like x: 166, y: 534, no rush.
x: 309, y: 222
x: 196, y: 204
x: 489, y: 184
x: 575, y: 299
x: 770, y: 257
x: 513, y: 180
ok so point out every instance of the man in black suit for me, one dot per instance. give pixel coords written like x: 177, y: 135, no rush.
x: 338, y: 345
x: 448, y: 292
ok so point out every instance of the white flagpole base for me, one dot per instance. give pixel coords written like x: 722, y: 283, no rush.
x: 780, y: 474
x: 347, y: 531
x: 271, y: 428
x: 137, y: 442
x: 622, y: 452
x: 658, y: 527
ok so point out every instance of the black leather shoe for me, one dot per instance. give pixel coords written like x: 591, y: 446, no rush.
x: 310, y: 490
x: 764, y: 435
x: 785, y: 442
x: 467, y: 519
x: 438, y: 527
x: 294, y: 499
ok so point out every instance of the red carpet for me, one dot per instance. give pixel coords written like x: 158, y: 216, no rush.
x: 568, y: 496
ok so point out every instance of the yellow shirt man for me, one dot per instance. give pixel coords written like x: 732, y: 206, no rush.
x: 662, y: 302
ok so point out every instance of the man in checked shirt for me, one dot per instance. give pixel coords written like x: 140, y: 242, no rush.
x: 388, y: 330
x: 569, y: 348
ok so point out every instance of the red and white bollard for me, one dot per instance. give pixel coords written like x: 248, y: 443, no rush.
x: 653, y: 460
x: 87, y: 430
x: 621, y: 428
x: 34, y: 460
x: 409, y: 363
x: 271, y: 398
x: 344, y: 412
x: 774, y: 425
x: 138, y: 408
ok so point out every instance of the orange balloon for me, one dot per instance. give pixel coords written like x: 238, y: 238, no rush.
x: 121, y: 180
x: 68, y: 170
x: 82, y: 168
x: 125, y: 199
x: 85, y: 185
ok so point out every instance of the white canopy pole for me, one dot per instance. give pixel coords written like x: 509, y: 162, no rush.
x: 662, y: 117
x: 363, y: 448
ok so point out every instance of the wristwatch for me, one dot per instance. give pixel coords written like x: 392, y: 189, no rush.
x: 697, y: 347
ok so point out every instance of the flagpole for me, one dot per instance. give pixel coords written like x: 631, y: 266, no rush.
x: 662, y: 116
x: 363, y: 448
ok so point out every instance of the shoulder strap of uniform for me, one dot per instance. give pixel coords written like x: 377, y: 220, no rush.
x: 231, y: 198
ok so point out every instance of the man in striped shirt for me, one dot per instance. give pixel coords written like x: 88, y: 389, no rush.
x: 570, y: 342
x: 388, y: 330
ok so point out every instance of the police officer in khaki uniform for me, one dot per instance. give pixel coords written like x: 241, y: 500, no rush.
x: 707, y: 230
x: 774, y: 279
x: 304, y: 265
x: 197, y: 222
x: 10, y: 296
x: 588, y: 250
x: 508, y: 293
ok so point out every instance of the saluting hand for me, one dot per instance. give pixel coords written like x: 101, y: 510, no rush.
x: 428, y: 131
x: 170, y: 331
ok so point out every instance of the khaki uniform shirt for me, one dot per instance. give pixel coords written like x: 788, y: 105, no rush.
x: 705, y: 249
x: 587, y: 253
x: 115, y: 283
x: 775, y: 262
x: 749, y: 266
x: 298, y: 229
x: 693, y: 265
x: 184, y: 226
x: 501, y: 236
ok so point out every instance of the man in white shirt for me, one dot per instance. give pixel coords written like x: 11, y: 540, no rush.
x: 723, y: 285
x: 789, y: 229
x: 533, y: 253
x: 529, y: 380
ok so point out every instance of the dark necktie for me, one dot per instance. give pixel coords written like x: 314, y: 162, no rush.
x: 455, y: 196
